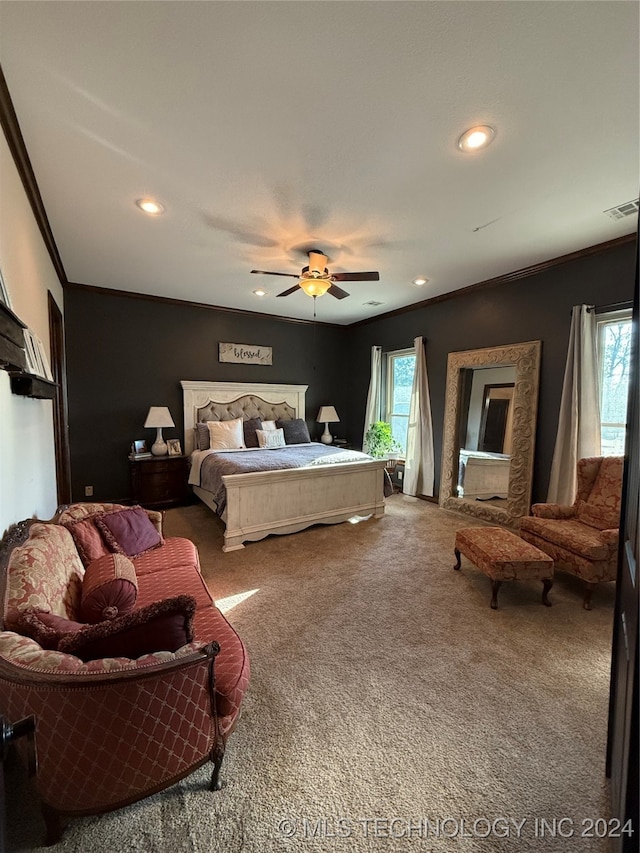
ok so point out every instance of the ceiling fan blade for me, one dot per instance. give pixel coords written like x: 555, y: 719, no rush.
x: 338, y: 292
x: 266, y: 272
x: 356, y: 276
x: 291, y: 290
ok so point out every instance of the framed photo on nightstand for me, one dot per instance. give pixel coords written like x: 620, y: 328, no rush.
x: 174, y: 447
x: 139, y: 450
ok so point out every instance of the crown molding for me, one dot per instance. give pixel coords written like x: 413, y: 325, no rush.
x: 525, y: 272
x: 169, y: 300
x: 13, y: 134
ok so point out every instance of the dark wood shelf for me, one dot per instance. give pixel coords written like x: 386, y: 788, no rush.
x: 30, y: 385
x: 12, y: 354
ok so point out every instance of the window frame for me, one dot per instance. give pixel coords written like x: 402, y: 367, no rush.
x: 602, y: 320
x: 389, y: 414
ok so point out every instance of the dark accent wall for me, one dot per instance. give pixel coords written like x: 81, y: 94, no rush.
x: 537, y: 307
x: 125, y: 354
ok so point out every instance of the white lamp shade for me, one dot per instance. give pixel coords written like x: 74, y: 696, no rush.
x: 328, y: 415
x: 159, y: 416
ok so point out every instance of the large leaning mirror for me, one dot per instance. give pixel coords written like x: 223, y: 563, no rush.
x: 489, y: 432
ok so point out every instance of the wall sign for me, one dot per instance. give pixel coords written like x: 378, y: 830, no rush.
x: 244, y: 353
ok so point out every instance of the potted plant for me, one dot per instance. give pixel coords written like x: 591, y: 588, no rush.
x: 380, y: 443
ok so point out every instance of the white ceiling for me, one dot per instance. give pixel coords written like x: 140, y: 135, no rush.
x: 268, y: 128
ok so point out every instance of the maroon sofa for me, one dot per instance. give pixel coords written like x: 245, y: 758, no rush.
x: 112, y: 729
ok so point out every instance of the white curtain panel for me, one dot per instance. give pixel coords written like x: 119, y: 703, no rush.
x: 372, y: 412
x: 579, y: 422
x: 419, y: 467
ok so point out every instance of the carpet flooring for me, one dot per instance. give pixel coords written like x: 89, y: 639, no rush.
x: 390, y: 709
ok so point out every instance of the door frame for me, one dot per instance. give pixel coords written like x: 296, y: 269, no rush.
x: 60, y: 407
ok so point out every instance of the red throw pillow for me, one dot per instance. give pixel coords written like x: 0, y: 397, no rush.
x: 45, y: 628
x: 163, y: 626
x: 109, y: 588
x: 87, y: 538
x: 129, y: 531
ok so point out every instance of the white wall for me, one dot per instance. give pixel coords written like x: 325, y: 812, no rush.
x: 27, y: 460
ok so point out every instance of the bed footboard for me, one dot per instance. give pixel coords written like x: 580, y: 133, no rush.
x: 266, y: 502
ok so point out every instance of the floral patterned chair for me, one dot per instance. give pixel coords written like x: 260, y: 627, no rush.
x: 582, y: 538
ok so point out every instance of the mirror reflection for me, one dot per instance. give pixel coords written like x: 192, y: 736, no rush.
x: 485, y: 433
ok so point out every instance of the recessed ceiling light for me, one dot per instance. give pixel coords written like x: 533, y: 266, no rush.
x: 476, y: 138
x: 148, y: 205
x: 420, y: 281
x: 260, y: 292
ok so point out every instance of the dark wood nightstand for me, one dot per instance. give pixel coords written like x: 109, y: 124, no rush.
x: 160, y: 481
x: 341, y: 444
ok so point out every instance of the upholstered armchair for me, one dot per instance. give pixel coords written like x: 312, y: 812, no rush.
x: 582, y: 538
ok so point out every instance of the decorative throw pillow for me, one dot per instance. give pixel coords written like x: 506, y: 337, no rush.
x: 226, y: 435
x: 129, y: 532
x: 202, y: 436
x: 269, y: 438
x: 295, y: 431
x: 269, y: 425
x: 163, y: 626
x: 88, y: 538
x: 109, y: 588
x: 45, y: 628
x: 249, y: 428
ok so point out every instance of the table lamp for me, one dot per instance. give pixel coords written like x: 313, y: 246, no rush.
x: 327, y: 415
x: 158, y: 417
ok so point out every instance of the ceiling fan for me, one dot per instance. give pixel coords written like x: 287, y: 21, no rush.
x: 316, y: 280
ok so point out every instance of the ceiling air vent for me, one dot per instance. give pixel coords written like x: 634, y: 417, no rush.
x: 373, y: 302
x: 622, y: 210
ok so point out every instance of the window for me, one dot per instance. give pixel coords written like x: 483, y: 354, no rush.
x: 614, y: 361
x: 401, y: 366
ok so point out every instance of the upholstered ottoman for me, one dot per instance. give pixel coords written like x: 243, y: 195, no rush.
x: 503, y: 556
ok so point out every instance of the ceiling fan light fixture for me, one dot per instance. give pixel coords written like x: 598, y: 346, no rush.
x: 316, y: 280
x: 476, y: 138
x: 260, y: 292
x: 315, y: 286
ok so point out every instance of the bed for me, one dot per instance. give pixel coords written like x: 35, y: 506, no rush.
x: 483, y: 475
x: 260, y: 503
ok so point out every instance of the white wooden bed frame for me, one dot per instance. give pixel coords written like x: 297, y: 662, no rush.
x: 290, y: 500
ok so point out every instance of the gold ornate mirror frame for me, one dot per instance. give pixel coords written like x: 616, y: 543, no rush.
x: 526, y: 358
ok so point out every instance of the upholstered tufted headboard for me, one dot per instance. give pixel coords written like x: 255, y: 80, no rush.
x: 221, y: 401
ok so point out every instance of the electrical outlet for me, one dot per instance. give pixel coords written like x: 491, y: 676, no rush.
x: 88, y: 491
x: 400, y: 473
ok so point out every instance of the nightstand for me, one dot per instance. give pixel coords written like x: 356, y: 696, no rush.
x: 342, y: 444
x: 160, y: 481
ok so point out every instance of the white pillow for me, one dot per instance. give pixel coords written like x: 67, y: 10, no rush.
x: 226, y: 435
x: 270, y: 438
x: 269, y: 425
